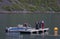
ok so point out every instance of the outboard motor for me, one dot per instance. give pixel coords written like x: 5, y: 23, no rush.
x: 6, y: 30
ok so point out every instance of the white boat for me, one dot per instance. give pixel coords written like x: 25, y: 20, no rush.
x: 26, y: 30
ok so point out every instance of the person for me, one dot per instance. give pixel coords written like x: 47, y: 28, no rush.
x: 37, y: 25
x: 42, y: 24
x: 25, y: 24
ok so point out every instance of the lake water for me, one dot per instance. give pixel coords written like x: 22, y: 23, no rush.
x: 7, y: 20
x: 17, y: 35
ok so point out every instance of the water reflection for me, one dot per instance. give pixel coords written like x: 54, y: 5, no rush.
x: 17, y: 35
x: 13, y: 35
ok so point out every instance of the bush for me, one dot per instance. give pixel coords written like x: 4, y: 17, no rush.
x: 0, y: 0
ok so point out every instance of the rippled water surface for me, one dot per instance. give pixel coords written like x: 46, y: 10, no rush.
x: 17, y: 35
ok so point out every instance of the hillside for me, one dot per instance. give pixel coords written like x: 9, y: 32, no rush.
x: 30, y: 5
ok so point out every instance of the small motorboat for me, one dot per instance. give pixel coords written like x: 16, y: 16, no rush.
x: 23, y: 29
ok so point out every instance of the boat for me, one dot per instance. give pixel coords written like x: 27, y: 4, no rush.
x: 26, y: 29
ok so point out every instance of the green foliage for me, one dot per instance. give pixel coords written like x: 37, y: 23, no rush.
x: 13, y: 7
x: 48, y: 5
x: 0, y: 0
x: 32, y: 8
x: 16, y: 7
x: 41, y: 5
x: 7, y: 8
x: 9, y: 0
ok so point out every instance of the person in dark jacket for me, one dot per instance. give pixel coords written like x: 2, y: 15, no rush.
x: 37, y: 25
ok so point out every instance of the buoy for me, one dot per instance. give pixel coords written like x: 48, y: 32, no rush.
x: 55, y: 31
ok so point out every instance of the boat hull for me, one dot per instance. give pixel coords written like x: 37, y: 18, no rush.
x: 26, y: 32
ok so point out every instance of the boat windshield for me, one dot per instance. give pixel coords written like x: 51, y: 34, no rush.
x: 18, y: 28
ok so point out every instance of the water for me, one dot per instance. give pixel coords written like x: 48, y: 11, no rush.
x: 17, y: 35
x: 7, y: 20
